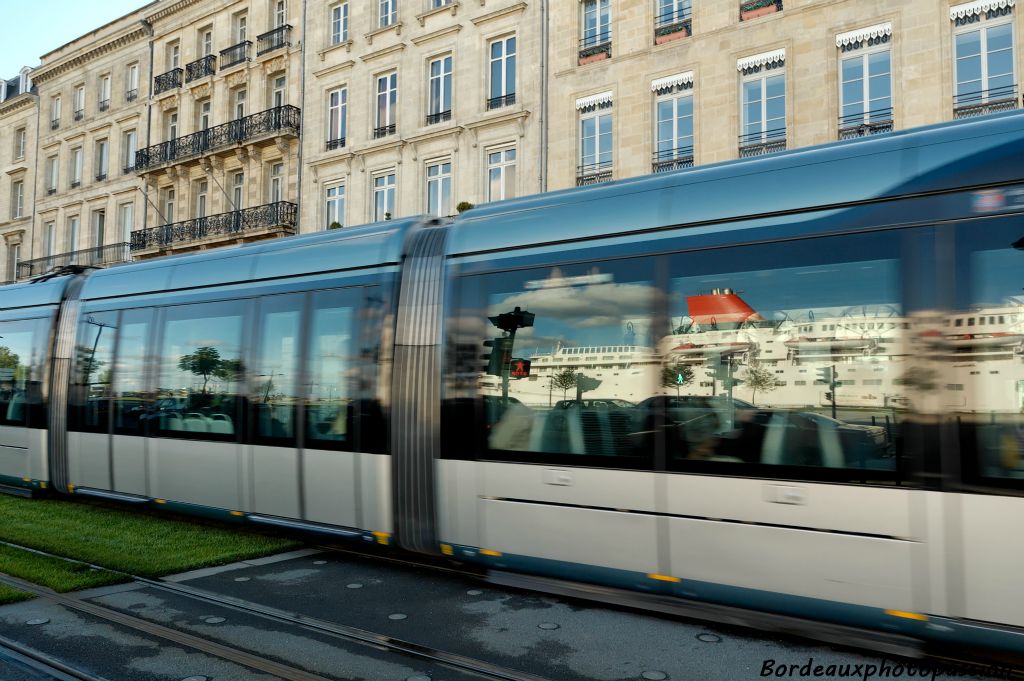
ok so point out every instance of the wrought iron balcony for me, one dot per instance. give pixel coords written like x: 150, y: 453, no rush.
x: 236, y: 54
x: 439, y: 117
x: 100, y: 177
x: 75, y: 184
x: 864, y: 124
x: 90, y: 257
x: 131, y: 95
x: 592, y: 173
x: 54, y: 123
x: 672, y: 159
x: 229, y: 225
x: 985, y: 102
x: 383, y: 131
x: 79, y: 114
x: 672, y: 22
x: 500, y: 101
x: 167, y: 81
x: 281, y: 120
x: 199, y: 68
x: 335, y: 143
x: 51, y: 191
x: 273, y: 40
x: 592, y: 47
x: 104, y: 105
x: 759, y: 143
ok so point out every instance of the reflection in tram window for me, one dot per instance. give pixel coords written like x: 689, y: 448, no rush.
x: 21, y: 358
x: 132, y: 401
x: 89, y: 396
x: 983, y: 367
x: 200, y: 372
x: 590, y: 348
x: 275, y: 372
x: 333, y: 371
x: 784, y: 355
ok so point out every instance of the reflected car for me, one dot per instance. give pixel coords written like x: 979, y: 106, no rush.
x: 610, y: 403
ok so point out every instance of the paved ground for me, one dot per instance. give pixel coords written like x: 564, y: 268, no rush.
x: 551, y: 638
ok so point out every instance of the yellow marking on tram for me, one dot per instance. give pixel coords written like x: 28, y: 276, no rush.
x: 664, y: 578
x: 447, y: 550
x: 907, y: 615
x: 42, y: 484
x: 26, y: 479
x: 489, y: 552
x: 237, y: 513
x: 160, y: 501
x: 382, y: 537
x: 71, y: 489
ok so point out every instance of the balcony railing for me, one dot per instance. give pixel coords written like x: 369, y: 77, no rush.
x: 75, y: 184
x: 985, y: 102
x: 273, y: 40
x: 439, y: 117
x: 131, y: 95
x: 383, y: 131
x: 234, y: 224
x: 200, y: 68
x: 672, y: 159
x: 501, y: 100
x: 104, y: 105
x: 672, y: 22
x: 100, y: 177
x: 751, y: 9
x: 90, y: 257
x: 167, y: 81
x: 336, y: 144
x: 54, y: 123
x: 236, y: 54
x: 864, y: 124
x: 50, y: 191
x: 592, y: 173
x: 79, y: 114
x: 758, y: 143
x: 595, y: 47
x: 279, y: 120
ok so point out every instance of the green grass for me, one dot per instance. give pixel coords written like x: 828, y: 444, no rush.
x: 140, y: 542
x: 12, y: 595
x: 59, y: 575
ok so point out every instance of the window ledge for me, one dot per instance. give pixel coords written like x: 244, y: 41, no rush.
x: 452, y: 7
x: 347, y: 44
x: 396, y: 27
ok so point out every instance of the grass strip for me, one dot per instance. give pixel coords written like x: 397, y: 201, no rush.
x: 137, y: 541
x: 59, y: 575
x: 9, y: 594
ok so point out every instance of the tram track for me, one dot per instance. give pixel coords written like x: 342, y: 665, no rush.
x: 480, y: 668
x: 35, y: 661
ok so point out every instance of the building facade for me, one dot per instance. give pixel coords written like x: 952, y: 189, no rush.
x: 194, y: 124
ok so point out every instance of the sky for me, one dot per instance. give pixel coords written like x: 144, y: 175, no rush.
x: 43, y: 25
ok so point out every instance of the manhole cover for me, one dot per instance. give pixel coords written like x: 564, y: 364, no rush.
x: 654, y: 676
x: 709, y: 638
x: 37, y: 622
x: 474, y: 592
x: 547, y: 625
x: 214, y: 620
x: 397, y: 616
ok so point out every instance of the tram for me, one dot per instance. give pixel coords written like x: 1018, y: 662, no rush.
x: 853, y: 458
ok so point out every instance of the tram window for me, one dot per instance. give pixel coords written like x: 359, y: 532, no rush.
x: 133, y: 401
x: 275, y: 395
x: 200, y: 372
x: 332, y: 402
x: 752, y: 421
x: 573, y: 416
x: 90, y: 390
x: 22, y: 349
x: 988, y: 403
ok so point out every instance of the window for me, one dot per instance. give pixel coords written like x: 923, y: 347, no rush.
x: 276, y: 186
x: 387, y: 102
x: 55, y: 112
x: 673, y: 128
x: 387, y: 12
x: 132, y: 398
x: 202, y: 189
x: 72, y: 234
x: 89, y: 398
x: 13, y: 258
x: 439, y: 188
x: 201, y: 372
x: 333, y: 363
x: 337, y: 118
x: 131, y: 85
x: 339, y: 23
x: 17, y: 199
x: 203, y: 111
x: 49, y: 238
x: 173, y: 56
x: 126, y: 221
x: 23, y: 344
x: 764, y: 110
x: 102, y: 159
x: 501, y: 174
x: 280, y: 13
x: 20, y: 142
x: 239, y: 99
x: 241, y: 26
x: 238, y: 191
x: 595, y: 145
x: 104, y: 96
x: 130, y: 145
x: 334, y: 210
x: 984, y: 64
x: 99, y: 227
x: 503, y: 73
x: 383, y: 196
x: 439, y: 87
x: 76, y: 167
x: 172, y: 125
x: 669, y: 13
x: 865, y: 93
x: 277, y: 92
x: 168, y: 205
x: 596, y: 23
x: 79, y: 102
x: 276, y: 391
x: 206, y: 41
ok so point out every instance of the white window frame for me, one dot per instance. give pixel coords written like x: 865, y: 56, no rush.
x: 763, y: 73
x: 172, y: 125
x: 55, y: 109
x: 502, y: 88
x: 502, y: 166
x: 102, y: 156
x: 239, y: 99
x: 206, y: 41
x: 53, y: 168
x: 74, y: 226
x: 13, y: 260
x: 280, y: 12
x: 104, y: 89
x: 338, y: 21
x: 383, y: 195
x: 170, y: 200
x: 334, y: 204
x: 602, y: 31
x: 99, y: 227
x: 77, y: 159
x: 204, y: 111
x: 79, y: 100
x: 276, y: 185
x: 20, y: 143
x: 126, y: 220
x: 387, y: 13
x: 863, y: 53
x: 439, y: 85
x: 132, y: 79
x: 337, y: 115
x: 202, y: 198
x: 240, y: 26
x: 238, y: 190
x: 439, y: 178
x: 131, y: 142
x: 278, y: 91
x: 17, y: 199
x: 983, y: 25
x: 596, y: 114
x: 390, y: 95
x: 673, y: 94
x: 49, y: 238
x: 173, y: 55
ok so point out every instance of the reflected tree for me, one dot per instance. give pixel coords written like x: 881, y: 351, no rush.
x: 760, y: 378
x: 206, y: 362
x: 676, y: 376
x: 564, y: 380
x: 8, y: 359
x: 920, y: 378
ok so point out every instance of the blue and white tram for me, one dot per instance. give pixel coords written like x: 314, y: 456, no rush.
x: 791, y: 384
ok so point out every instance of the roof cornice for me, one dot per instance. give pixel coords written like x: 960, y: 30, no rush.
x: 50, y: 71
x: 170, y: 9
x: 21, y: 101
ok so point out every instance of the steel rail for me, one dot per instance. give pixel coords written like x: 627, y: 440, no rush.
x: 40, y: 662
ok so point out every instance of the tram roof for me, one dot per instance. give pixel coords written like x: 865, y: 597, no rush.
x: 938, y: 157
x: 33, y: 294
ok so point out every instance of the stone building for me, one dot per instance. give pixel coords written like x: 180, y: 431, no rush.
x: 17, y: 164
